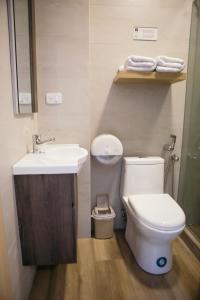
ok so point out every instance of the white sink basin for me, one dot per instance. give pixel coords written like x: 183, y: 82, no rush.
x: 52, y: 159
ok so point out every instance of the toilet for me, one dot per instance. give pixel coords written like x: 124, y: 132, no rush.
x: 154, y: 219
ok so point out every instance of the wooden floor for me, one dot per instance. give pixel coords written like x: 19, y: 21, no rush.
x: 196, y: 230
x: 106, y: 270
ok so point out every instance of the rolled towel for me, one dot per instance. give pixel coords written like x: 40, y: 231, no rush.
x: 167, y: 59
x: 140, y: 63
x: 169, y: 64
x: 137, y: 69
x: 140, y: 69
x: 131, y: 63
x: 161, y: 63
x: 167, y: 69
x: 138, y: 59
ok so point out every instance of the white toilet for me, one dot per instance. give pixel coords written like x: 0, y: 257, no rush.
x: 154, y: 219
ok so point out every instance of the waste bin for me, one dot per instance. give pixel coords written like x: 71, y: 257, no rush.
x: 103, y: 223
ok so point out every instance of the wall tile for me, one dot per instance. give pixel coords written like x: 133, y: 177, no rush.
x: 16, y: 135
x: 62, y: 52
x: 142, y: 116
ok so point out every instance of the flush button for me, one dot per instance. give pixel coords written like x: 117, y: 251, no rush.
x: 161, y: 262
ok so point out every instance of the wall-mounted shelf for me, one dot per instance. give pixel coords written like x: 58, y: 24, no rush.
x: 148, y: 77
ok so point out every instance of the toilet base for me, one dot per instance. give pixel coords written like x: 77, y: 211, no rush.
x: 152, y: 255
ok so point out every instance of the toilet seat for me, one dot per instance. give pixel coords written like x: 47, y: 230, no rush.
x: 158, y: 211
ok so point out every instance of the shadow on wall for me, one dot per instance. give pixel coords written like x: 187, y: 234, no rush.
x: 106, y: 180
x: 141, y: 117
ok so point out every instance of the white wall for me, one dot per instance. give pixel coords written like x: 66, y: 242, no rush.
x: 142, y: 116
x: 62, y: 31
x: 15, y: 135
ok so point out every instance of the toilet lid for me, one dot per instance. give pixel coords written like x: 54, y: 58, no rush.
x: 159, y: 211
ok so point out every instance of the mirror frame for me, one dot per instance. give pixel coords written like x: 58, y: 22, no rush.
x: 13, y: 56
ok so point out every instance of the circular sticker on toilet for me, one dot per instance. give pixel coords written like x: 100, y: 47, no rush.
x: 161, y: 262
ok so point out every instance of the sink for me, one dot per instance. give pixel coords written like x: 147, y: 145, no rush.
x: 52, y: 159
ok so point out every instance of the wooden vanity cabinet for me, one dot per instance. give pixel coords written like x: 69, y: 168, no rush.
x: 46, y: 208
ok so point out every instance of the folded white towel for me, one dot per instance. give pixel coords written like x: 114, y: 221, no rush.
x: 131, y: 63
x: 136, y: 69
x: 161, y: 63
x: 168, y: 59
x: 166, y: 69
x: 140, y: 63
x: 147, y: 64
x: 140, y: 69
x: 137, y: 58
x: 169, y: 64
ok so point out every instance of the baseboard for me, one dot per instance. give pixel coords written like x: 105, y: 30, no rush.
x: 192, y: 242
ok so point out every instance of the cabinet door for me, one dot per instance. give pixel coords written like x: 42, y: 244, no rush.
x: 47, y: 218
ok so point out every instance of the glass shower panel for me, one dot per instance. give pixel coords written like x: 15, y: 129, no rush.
x: 189, y: 187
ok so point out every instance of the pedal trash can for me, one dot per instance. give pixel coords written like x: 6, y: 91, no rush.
x: 103, y: 223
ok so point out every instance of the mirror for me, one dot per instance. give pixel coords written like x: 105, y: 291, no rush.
x: 22, y: 55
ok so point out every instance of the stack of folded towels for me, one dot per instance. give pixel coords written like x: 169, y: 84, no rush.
x: 139, y: 63
x: 169, y: 64
x: 148, y: 64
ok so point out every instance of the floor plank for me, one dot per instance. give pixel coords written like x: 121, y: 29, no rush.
x: 107, y: 270
x: 195, y: 228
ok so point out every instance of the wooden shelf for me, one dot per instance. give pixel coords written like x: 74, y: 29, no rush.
x: 148, y: 77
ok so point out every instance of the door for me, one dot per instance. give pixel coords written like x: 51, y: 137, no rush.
x: 189, y: 187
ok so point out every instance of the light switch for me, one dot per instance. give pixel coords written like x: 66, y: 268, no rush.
x: 54, y: 98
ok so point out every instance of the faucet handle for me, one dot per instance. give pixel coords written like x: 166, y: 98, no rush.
x: 36, y: 137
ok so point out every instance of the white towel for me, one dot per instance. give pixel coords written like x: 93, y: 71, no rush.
x: 140, y: 63
x: 169, y: 64
x: 147, y: 64
x: 138, y: 59
x: 140, y: 69
x: 167, y: 69
x: 168, y: 59
x: 161, y: 63
x: 131, y: 63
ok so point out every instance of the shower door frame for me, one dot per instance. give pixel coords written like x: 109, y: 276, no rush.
x: 189, y: 100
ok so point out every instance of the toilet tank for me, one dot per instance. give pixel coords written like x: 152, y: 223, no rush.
x: 142, y: 175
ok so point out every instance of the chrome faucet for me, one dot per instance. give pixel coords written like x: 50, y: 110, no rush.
x: 37, y: 141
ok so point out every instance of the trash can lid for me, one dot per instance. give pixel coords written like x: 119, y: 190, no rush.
x: 105, y: 216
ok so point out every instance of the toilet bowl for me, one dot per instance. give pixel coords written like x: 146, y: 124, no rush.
x: 154, y: 219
